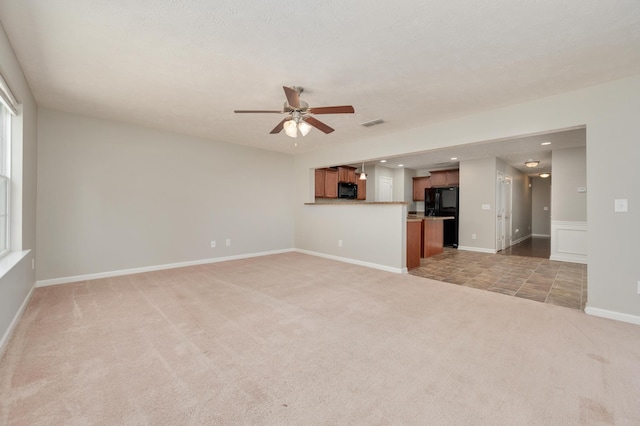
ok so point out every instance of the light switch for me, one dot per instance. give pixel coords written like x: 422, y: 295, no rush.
x: 621, y: 205
x: 486, y: 207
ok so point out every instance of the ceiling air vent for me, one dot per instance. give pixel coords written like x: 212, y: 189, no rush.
x: 372, y: 122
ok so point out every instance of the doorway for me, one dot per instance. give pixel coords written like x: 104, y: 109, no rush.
x: 504, y: 207
x: 385, y: 191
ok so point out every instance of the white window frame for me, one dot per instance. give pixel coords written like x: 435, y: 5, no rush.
x: 8, y: 108
x: 5, y: 180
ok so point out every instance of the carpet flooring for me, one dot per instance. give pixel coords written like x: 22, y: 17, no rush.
x: 294, y: 339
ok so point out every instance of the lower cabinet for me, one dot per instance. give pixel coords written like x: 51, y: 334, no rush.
x: 433, y: 237
x: 414, y: 243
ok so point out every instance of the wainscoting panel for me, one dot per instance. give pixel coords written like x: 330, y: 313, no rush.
x: 569, y: 241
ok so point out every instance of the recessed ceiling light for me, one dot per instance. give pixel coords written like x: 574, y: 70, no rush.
x: 454, y: 158
x: 400, y: 165
x: 383, y: 161
x: 545, y: 143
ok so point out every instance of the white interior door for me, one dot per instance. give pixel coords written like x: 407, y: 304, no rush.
x: 385, y: 188
x: 508, y: 209
x: 500, y: 211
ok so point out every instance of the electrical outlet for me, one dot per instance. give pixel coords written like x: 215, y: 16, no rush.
x: 228, y: 242
x: 621, y: 205
x: 213, y: 244
x: 339, y: 243
x: 473, y: 236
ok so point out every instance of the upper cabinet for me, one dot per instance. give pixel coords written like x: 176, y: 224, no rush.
x: 419, y: 185
x: 445, y: 178
x: 346, y: 174
x: 438, y: 178
x: 326, y: 183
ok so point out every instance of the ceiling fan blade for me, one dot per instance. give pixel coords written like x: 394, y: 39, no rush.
x: 257, y: 111
x: 318, y: 124
x: 280, y: 126
x: 345, y: 109
x: 293, y: 96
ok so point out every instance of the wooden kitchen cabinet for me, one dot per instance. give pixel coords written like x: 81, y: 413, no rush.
x: 362, y: 187
x: 453, y: 177
x: 433, y: 236
x: 414, y: 243
x: 326, y: 185
x: 442, y: 178
x: 419, y: 185
x: 439, y: 178
x: 319, y: 183
x: 330, y: 183
x: 346, y: 174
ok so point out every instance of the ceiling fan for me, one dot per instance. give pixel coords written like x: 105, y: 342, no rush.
x: 299, y: 114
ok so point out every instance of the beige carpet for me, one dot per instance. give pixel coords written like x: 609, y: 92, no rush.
x: 293, y: 339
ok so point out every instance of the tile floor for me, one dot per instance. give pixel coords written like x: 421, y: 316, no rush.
x: 534, y: 278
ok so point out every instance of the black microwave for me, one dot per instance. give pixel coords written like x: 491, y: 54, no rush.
x: 347, y: 190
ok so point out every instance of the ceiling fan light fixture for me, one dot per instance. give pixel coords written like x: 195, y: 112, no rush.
x: 531, y: 163
x: 291, y: 128
x: 304, y: 128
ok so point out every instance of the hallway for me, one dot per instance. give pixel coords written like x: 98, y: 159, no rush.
x: 531, y: 247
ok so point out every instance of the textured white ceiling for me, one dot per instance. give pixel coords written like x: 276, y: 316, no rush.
x: 184, y: 66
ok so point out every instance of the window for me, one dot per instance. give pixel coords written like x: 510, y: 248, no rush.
x: 8, y: 108
x: 5, y: 178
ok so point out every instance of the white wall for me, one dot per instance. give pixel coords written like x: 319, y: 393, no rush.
x: 19, y: 278
x: 360, y: 227
x: 569, y: 239
x: 541, y: 218
x: 113, y: 196
x: 569, y: 174
x: 609, y: 112
x: 477, y: 187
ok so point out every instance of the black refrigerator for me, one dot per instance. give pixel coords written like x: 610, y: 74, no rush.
x: 444, y: 202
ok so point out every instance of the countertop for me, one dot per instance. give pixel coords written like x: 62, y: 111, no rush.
x: 416, y: 217
x: 351, y: 203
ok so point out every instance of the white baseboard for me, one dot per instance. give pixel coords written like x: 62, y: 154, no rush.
x: 76, y: 278
x: 519, y: 240
x: 477, y: 249
x: 618, y: 316
x: 568, y: 258
x: 355, y: 262
x: 9, y: 331
x: 541, y: 235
